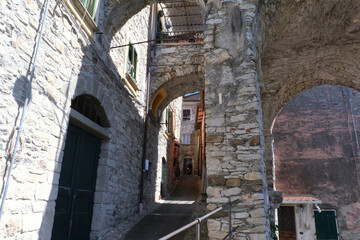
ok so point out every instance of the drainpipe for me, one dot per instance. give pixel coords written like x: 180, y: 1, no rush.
x: 141, y: 200
x: 26, y: 103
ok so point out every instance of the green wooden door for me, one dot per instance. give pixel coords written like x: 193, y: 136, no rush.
x: 325, y: 223
x: 74, y: 204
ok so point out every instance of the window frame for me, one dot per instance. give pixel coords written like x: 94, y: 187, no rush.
x: 184, y: 139
x: 130, y: 82
x: 87, y: 22
x: 133, y: 62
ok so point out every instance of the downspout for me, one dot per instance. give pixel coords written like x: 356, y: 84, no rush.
x: 26, y: 103
x: 141, y: 200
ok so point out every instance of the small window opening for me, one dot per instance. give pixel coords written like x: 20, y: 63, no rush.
x: 186, y: 115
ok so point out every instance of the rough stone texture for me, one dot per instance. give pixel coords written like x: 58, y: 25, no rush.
x: 68, y: 65
x: 316, y: 151
x: 178, y: 68
x: 308, y: 43
x: 233, y: 115
x: 289, y: 46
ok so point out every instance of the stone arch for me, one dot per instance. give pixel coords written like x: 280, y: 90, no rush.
x: 178, y: 87
x: 92, y: 88
x: 91, y: 108
x: 315, y: 71
x: 118, y: 12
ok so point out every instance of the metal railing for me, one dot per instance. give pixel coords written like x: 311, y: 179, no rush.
x: 198, y: 221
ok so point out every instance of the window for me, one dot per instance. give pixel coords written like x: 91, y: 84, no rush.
x: 186, y: 139
x: 131, y: 63
x: 90, y: 6
x: 186, y: 114
x: 325, y: 223
x: 85, y: 11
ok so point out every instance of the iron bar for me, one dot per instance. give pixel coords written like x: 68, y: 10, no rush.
x: 192, y: 15
x: 25, y: 107
x: 230, y: 233
x: 159, y: 39
x: 199, y: 220
x: 178, y: 6
x: 198, y: 229
x: 187, y: 25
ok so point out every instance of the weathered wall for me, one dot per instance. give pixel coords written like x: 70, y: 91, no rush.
x: 316, y: 151
x: 234, y: 141
x: 308, y: 43
x: 68, y: 65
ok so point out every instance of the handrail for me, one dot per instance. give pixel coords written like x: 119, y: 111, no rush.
x: 199, y: 220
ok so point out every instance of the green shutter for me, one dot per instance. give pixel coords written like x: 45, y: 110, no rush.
x: 325, y: 223
x: 132, y: 62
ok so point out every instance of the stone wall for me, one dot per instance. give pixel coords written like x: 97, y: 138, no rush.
x: 178, y: 68
x: 234, y: 140
x: 68, y: 65
x: 316, y: 152
x: 164, y: 150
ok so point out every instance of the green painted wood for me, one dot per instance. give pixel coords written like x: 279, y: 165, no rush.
x: 325, y: 223
x: 74, y: 204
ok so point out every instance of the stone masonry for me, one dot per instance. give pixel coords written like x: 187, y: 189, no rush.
x: 178, y: 68
x: 68, y: 65
x: 256, y: 56
x: 234, y: 139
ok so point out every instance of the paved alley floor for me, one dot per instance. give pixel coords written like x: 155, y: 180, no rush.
x: 174, y: 212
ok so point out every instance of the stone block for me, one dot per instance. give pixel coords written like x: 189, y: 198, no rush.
x: 217, y: 234
x: 256, y: 213
x: 241, y: 215
x: 216, y: 180
x: 213, y: 192
x: 256, y: 221
x: 231, y: 192
x: 254, y: 141
x: 251, y: 176
x: 215, y: 138
x: 233, y: 182
x: 213, y: 225
x: 260, y: 236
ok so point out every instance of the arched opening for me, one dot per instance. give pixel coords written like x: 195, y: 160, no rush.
x: 78, y: 176
x: 316, y: 158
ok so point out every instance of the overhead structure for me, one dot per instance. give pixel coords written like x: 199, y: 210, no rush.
x: 180, y: 20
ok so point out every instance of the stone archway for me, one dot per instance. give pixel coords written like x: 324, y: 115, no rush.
x: 177, y: 87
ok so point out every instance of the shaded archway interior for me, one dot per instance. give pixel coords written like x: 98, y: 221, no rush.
x: 178, y: 87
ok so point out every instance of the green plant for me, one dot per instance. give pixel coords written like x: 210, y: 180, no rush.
x: 274, y: 231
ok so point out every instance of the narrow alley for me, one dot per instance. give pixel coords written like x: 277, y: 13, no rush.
x: 174, y: 212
